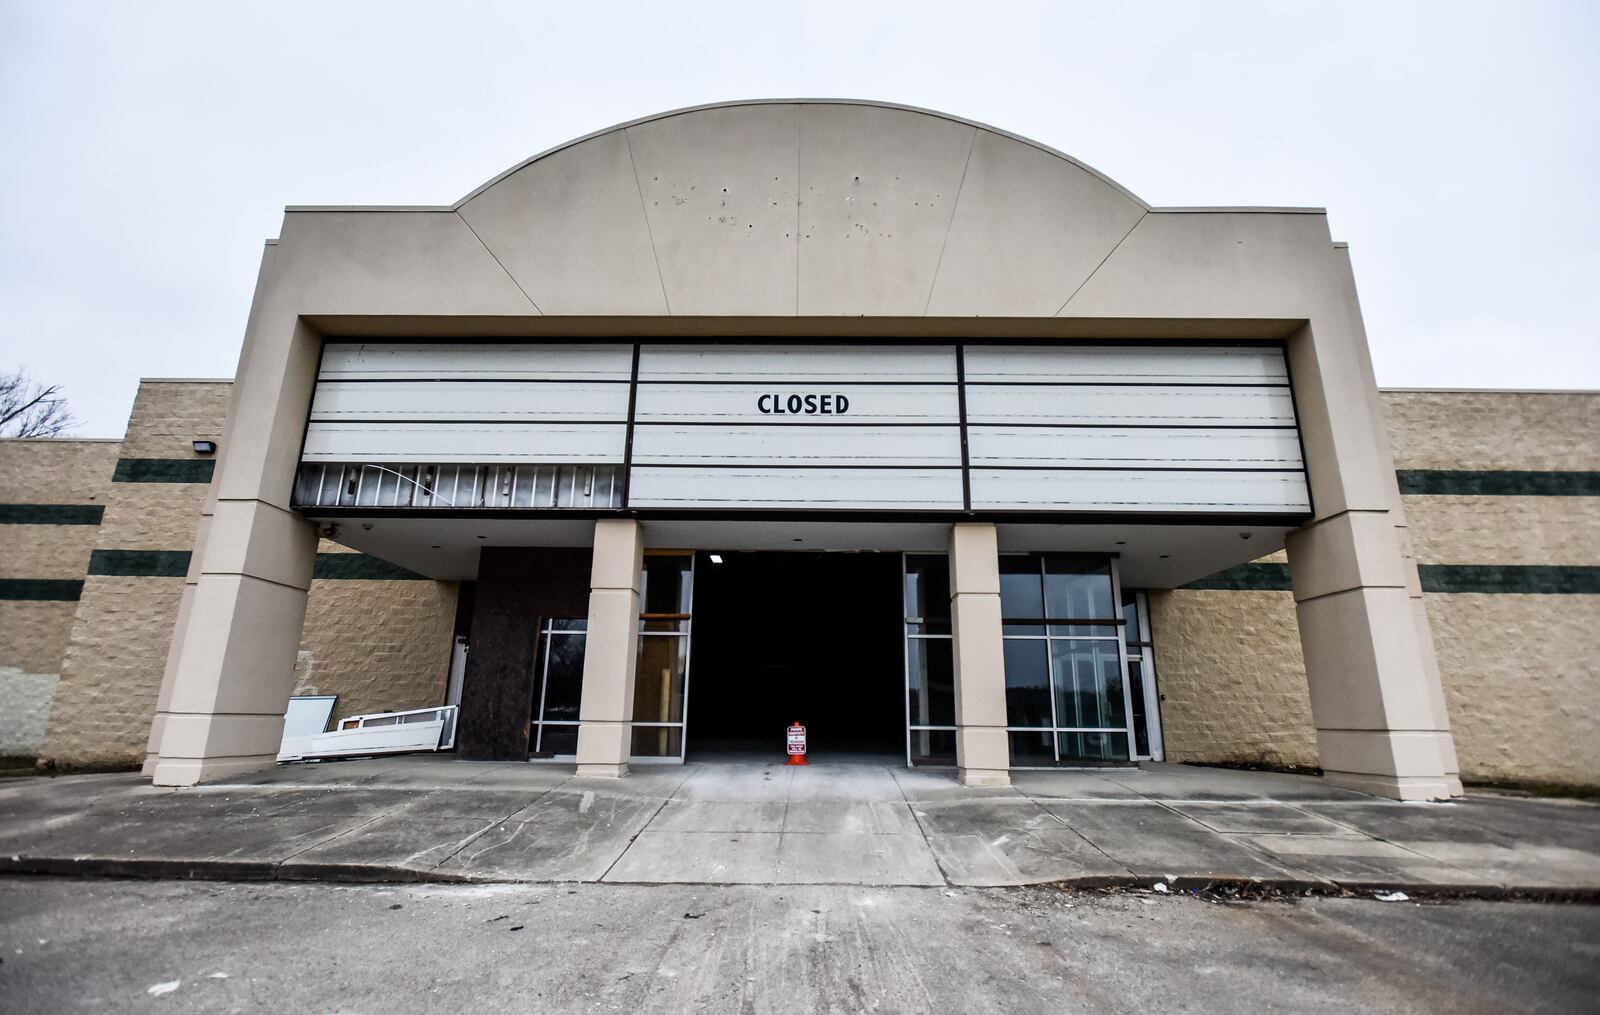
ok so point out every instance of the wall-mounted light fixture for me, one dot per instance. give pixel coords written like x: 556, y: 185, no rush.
x: 205, y: 447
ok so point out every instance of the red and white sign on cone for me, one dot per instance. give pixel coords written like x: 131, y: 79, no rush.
x: 797, y: 744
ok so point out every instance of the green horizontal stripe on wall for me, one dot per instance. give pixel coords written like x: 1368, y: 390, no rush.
x: 139, y: 563
x: 51, y: 514
x: 1521, y: 579
x: 41, y: 590
x: 1487, y: 579
x: 175, y: 564
x: 359, y: 566
x: 1246, y: 578
x: 1503, y: 483
x: 163, y: 470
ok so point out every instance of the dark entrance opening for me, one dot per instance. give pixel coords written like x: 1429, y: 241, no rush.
x: 813, y: 637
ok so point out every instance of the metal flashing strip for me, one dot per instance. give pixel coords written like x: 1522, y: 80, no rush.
x: 164, y: 470
x: 1498, y: 483
x: 51, y: 514
x: 40, y: 590
x: 1478, y: 579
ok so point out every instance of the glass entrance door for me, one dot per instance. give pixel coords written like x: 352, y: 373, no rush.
x: 661, y: 681
x: 1079, y: 672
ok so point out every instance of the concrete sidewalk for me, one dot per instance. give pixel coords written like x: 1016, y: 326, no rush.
x: 847, y: 821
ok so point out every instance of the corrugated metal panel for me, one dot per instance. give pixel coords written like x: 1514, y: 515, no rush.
x: 906, y: 489
x: 798, y: 364
x: 534, y: 443
x: 1139, y: 491
x: 797, y: 444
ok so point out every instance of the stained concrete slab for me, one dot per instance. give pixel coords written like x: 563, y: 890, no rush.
x: 560, y: 837
x: 1258, y: 816
x: 1363, y: 861
x: 714, y: 816
x: 848, y: 821
x: 1152, y: 839
x: 722, y: 858
x: 400, y: 841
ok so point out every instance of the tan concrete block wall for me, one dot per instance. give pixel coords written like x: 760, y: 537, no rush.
x: 45, y: 551
x: 152, y: 516
x: 117, y: 647
x: 112, y: 672
x: 1522, y: 676
x: 1231, y: 678
x: 33, y: 635
x: 25, y: 700
x: 1494, y: 429
x: 57, y: 470
x: 379, y: 645
x: 1504, y: 530
x: 169, y: 415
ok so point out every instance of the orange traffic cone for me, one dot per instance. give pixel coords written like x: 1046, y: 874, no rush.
x: 797, y: 744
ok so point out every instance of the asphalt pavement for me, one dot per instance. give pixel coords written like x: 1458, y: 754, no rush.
x: 194, y: 946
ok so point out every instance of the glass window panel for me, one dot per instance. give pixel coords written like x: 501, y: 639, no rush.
x: 1032, y: 749
x: 939, y: 628
x: 658, y: 683
x: 1088, y: 676
x: 657, y: 742
x: 1021, y: 594
x: 563, y: 675
x: 560, y: 740
x: 570, y: 624
x: 927, y: 589
x: 1078, y: 589
x: 666, y: 584
x: 1141, y: 729
x: 1130, y: 614
x: 933, y: 747
x: 930, y: 678
x: 1093, y: 747
x: 1027, y: 682
x: 1083, y: 630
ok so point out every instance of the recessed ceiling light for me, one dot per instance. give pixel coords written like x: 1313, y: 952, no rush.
x: 716, y: 558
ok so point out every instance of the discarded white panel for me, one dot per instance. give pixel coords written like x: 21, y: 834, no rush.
x: 423, y: 729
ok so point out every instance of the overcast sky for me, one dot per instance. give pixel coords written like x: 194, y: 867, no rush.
x: 150, y: 147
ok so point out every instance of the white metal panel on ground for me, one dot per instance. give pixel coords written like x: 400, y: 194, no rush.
x: 534, y: 443
x: 798, y: 364
x: 1135, y: 448
x: 489, y: 401
x: 797, y: 444
x: 666, y: 487
x: 743, y: 403
x: 1133, y: 491
x: 1154, y: 405
x: 445, y: 361
x: 1128, y: 363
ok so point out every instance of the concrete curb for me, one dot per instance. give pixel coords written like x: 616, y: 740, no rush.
x: 1236, y: 887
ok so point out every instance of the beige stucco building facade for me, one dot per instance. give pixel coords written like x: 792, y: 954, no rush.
x: 1118, y: 476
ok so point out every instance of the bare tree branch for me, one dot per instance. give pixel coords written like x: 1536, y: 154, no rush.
x: 31, y: 409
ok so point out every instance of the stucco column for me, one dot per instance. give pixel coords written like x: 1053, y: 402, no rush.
x: 611, y: 652
x: 983, y: 754
x: 231, y: 666
x: 1374, y: 688
x: 158, y: 727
